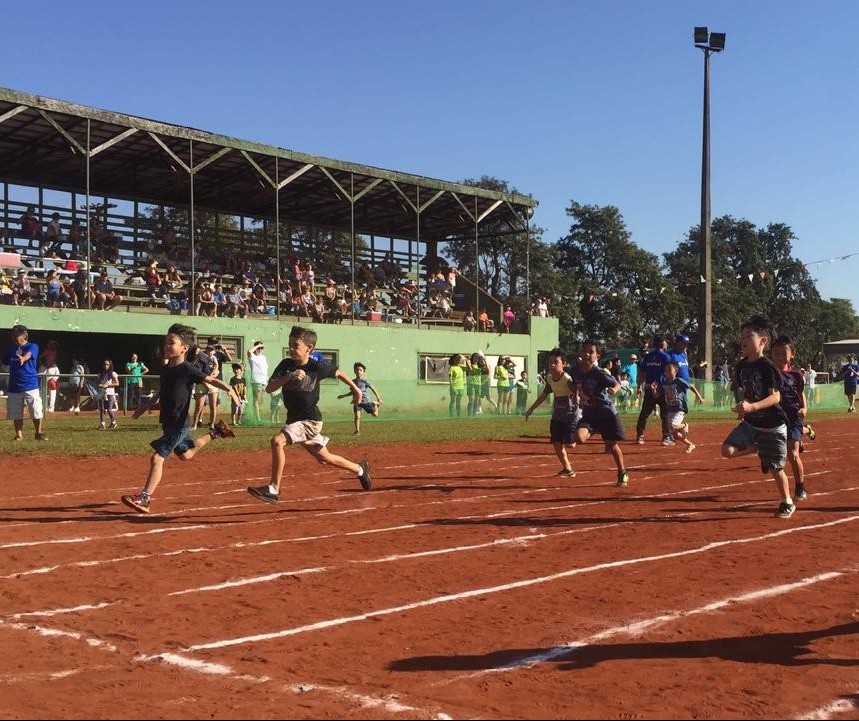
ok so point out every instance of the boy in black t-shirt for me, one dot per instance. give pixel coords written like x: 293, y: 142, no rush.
x: 763, y: 427
x: 299, y: 377
x: 178, y: 377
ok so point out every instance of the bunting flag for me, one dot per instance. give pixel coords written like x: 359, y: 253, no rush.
x: 703, y: 279
x: 762, y: 274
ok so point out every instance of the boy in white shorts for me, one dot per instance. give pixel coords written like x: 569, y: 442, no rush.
x: 673, y: 391
x: 299, y: 377
x: 23, y: 384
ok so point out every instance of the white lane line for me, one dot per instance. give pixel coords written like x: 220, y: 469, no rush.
x: 834, y: 708
x: 40, y: 676
x: 525, y: 583
x: 50, y: 632
x: 637, y: 628
x: 250, y: 581
x: 61, y: 611
x: 87, y: 539
x: 389, y: 703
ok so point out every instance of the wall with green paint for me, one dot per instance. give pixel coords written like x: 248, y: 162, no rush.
x: 391, y: 352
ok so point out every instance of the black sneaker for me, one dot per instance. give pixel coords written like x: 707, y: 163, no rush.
x: 785, y: 510
x: 622, y: 478
x: 365, y: 478
x: 800, y: 493
x: 263, y: 493
x: 564, y: 473
x: 138, y: 502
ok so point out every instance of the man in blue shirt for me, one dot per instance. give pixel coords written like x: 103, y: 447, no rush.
x: 849, y: 373
x: 23, y: 383
x: 679, y: 356
x: 649, y: 379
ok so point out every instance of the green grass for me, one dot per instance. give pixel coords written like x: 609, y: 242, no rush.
x: 77, y: 436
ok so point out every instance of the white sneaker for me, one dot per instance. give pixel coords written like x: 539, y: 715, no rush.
x: 101, y: 426
x: 691, y: 448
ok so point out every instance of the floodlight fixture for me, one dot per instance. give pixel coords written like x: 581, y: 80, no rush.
x: 702, y: 36
x: 717, y: 42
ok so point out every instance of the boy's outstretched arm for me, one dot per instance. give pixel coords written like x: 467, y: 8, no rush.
x: 356, y: 391
x: 537, y: 403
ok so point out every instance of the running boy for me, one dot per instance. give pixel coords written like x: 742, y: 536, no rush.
x: 763, y: 425
x: 178, y: 377
x: 793, y: 404
x: 673, y: 396
x: 366, y: 404
x: 565, y: 409
x: 598, y: 412
x: 299, y: 377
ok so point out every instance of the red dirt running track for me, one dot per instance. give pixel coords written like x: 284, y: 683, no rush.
x: 471, y: 583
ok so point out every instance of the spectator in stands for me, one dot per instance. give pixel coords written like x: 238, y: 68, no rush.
x: 206, y: 300
x: 80, y: 286
x: 153, y: 281
x: 54, y: 238
x: 259, y: 298
x: 22, y: 290
x: 469, y: 322
x: 76, y: 239
x: 55, y: 294
x: 6, y: 292
x: 236, y: 304
x: 168, y: 243
x: 31, y: 227
x: 543, y: 308
x: 509, y: 317
x: 220, y: 298
x: 104, y: 297
x: 485, y: 323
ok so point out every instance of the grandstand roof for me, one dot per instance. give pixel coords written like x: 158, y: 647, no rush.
x: 47, y: 142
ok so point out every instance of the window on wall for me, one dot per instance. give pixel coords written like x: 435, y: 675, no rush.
x: 433, y: 368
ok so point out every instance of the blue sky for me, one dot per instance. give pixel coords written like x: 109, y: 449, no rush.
x: 598, y: 102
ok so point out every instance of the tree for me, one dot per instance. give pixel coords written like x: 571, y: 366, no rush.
x: 620, y: 286
x: 753, y: 272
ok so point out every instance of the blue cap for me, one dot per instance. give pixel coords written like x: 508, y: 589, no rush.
x: 682, y: 339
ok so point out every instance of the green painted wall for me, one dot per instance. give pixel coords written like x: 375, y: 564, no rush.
x: 390, y: 352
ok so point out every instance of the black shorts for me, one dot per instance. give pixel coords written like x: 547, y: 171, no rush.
x: 603, y: 421
x: 562, y: 432
x: 366, y: 407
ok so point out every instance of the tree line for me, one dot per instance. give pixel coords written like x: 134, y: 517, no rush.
x: 602, y: 285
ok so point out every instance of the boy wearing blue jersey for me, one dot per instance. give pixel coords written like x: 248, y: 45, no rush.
x: 793, y: 404
x: 365, y: 405
x: 598, y: 412
x: 673, y: 394
x: 23, y: 384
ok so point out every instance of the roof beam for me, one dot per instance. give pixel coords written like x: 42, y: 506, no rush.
x: 405, y: 197
x: 366, y: 190
x: 113, y: 141
x: 489, y: 210
x: 59, y: 128
x: 12, y: 113
x: 169, y: 152
x: 211, y: 159
x: 297, y: 174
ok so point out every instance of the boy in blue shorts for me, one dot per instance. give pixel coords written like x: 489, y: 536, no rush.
x: 565, y: 409
x: 598, y: 412
x: 299, y: 376
x: 178, y: 378
x: 793, y: 404
x: 366, y: 405
x: 763, y: 424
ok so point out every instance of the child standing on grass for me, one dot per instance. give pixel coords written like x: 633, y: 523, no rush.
x: 366, y: 405
x: 23, y: 384
x: 598, y: 412
x: 565, y: 409
x: 522, y: 388
x: 456, y: 378
x: 793, y: 404
x: 108, y: 382
x: 299, y: 377
x: 178, y: 377
x: 673, y: 391
x: 237, y: 383
x: 763, y: 424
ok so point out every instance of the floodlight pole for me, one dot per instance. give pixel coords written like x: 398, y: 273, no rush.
x: 705, y: 317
